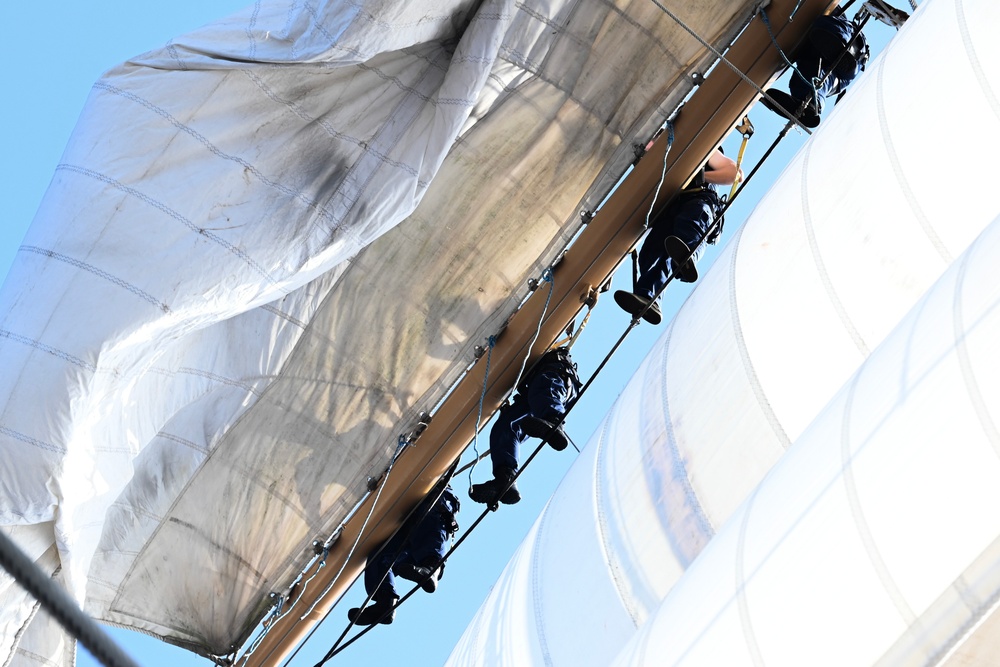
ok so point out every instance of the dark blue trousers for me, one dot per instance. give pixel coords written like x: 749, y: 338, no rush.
x: 687, y: 217
x: 546, y: 399
x: 823, y: 46
x: 425, y: 544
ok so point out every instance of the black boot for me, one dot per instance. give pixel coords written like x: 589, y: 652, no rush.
x: 633, y: 304
x: 808, y: 116
x: 490, y: 492
x: 553, y: 434
x: 426, y: 576
x: 681, y: 259
x: 379, y: 611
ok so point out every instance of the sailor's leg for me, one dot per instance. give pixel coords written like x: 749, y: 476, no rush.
x: 652, y: 260
x: 694, y: 216
x: 547, y: 396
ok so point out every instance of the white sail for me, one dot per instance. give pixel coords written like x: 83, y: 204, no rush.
x: 860, y: 225
x: 196, y: 352
x: 875, y: 540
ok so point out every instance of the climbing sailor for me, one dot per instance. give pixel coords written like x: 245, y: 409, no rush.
x: 832, y: 55
x: 677, y: 229
x: 536, y: 411
x: 415, y: 552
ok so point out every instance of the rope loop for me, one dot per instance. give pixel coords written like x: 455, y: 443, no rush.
x: 663, y: 173
x: 491, y: 343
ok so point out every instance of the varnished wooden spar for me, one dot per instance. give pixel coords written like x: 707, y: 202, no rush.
x: 708, y: 117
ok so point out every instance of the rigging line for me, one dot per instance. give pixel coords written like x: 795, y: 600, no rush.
x: 60, y: 606
x: 718, y: 54
x: 547, y: 277
x: 399, y: 550
x: 663, y: 174
x: 450, y: 475
x: 444, y: 559
x: 572, y: 404
x: 276, y: 615
x: 392, y: 462
x: 479, y: 417
x: 788, y: 63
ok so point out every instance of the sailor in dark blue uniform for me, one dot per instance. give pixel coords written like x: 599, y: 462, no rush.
x: 536, y: 411
x: 680, y: 227
x: 832, y: 55
x: 420, y: 544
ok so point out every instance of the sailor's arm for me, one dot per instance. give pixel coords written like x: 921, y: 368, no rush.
x: 721, y: 170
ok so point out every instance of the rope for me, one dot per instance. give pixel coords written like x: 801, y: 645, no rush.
x: 812, y: 81
x: 276, y: 615
x: 663, y: 174
x: 450, y: 475
x: 335, y: 650
x: 791, y: 17
x: 400, y: 446
x: 60, y: 606
x: 750, y: 82
x: 547, y: 277
x: 443, y: 483
x: 479, y: 416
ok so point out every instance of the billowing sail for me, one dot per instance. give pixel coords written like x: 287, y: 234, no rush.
x: 872, y: 211
x: 268, y: 246
x: 875, y: 541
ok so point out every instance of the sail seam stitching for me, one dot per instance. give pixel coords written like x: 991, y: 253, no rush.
x: 602, y: 522
x: 965, y: 360
x: 858, y: 515
x: 321, y: 210
x: 970, y: 51
x: 741, y: 346
x: 142, y: 294
x: 817, y: 255
x: 897, y: 168
x: 743, y: 602
x: 163, y: 208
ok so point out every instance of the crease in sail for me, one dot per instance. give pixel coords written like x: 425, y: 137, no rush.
x: 273, y: 191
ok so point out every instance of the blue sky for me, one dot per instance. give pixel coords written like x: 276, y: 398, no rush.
x: 55, y: 52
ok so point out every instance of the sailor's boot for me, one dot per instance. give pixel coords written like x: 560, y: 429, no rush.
x: 381, y: 610
x: 790, y: 106
x: 424, y: 575
x: 553, y: 434
x: 633, y: 304
x: 681, y: 259
x: 492, y: 491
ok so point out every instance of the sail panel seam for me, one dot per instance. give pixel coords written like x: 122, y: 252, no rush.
x: 163, y: 208
x: 90, y: 268
x: 858, y: 514
x: 320, y: 210
x: 977, y: 67
x: 897, y: 168
x: 741, y: 346
x: 821, y: 270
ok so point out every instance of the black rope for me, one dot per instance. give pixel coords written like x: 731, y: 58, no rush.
x: 59, y: 605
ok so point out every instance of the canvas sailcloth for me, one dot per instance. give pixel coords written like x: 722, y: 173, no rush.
x: 878, y: 205
x: 267, y: 247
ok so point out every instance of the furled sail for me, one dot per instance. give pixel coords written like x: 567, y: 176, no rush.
x: 852, y: 235
x: 268, y: 246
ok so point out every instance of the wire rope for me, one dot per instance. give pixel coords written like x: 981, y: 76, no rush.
x: 750, y: 82
x: 60, y: 606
